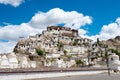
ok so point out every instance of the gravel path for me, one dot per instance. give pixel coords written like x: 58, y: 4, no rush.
x: 103, y: 76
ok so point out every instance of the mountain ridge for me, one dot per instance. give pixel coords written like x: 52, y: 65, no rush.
x: 113, y: 43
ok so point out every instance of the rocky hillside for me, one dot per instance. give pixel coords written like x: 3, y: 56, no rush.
x: 113, y: 43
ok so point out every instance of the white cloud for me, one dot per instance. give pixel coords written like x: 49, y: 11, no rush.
x: 13, y: 32
x: 6, y: 47
x: 56, y: 16
x: 108, y: 31
x: 14, y: 3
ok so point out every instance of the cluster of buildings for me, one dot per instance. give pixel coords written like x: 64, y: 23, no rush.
x: 62, y: 47
x: 50, y: 38
x: 56, y: 42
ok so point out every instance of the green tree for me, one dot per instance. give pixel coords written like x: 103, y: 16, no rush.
x: 98, y: 41
x: 75, y: 42
x: 65, y: 52
x: 40, y: 52
x: 78, y: 62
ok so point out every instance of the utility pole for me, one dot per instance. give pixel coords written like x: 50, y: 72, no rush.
x: 88, y: 57
x: 107, y: 61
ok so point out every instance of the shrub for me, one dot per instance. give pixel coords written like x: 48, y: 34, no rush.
x: 40, y: 52
x: 75, y: 42
x: 78, y: 62
x: 65, y: 52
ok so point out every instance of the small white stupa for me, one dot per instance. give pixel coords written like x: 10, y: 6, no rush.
x: 13, y: 60
x: 59, y: 63
x: 114, y: 63
x: 24, y: 63
x: 4, y: 62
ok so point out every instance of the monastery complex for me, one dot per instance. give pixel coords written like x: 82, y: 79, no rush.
x: 59, y: 47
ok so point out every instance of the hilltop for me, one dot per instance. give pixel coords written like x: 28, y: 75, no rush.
x: 53, y: 45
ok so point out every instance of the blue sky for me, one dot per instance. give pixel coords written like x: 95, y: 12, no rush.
x: 102, y: 11
x: 103, y: 15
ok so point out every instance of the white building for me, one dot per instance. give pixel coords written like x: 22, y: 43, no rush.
x: 75, y: 49
x: 52, y: 55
